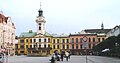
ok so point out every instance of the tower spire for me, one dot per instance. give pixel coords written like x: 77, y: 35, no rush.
x: 40, y: 5
x: 40, y: 11
x: 102, y: 26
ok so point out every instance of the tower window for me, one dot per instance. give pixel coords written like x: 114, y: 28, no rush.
x: 39, y: 23
x: 39, y: 28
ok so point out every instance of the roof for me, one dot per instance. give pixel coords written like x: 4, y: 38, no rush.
x: 83, y: 34
x: 32, y: 34
x: 47, y: 34
x: 3, y: 18
x: 27, y: 34
x: 61, y: 35
x: 97, y: 30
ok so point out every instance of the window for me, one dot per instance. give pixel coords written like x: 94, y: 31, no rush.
x: 72, y: 46
x: 76, y: 46
x: 48, y: 45
x: 39, y: 40
x: 39, y: 45
x: 81, y: 40
x: 93, y: 39
x: 53, y: 46
x: 26, y: 40
x: 39, y: 28
x: 67, y: 46
x: 45, y: 40
x: 22, y: 46
x: 53, y: 40
x: 63, y: 40
x: 67, y: 40
x: 98, y: 39
x: 76, y: 40
x: 26, y: 46
x: 34, y: 40
x: 72, y: 40
x: 16, y: 46
x: 34, y: 46
x: 103, y: 39
x: 63, y: 46
x: 45, y: 45
x: 81, y: 46
x: 22, y: 40
x: 58, y: 46
x: 48, y: 39
x: 21, y: 51
x: 57, y: 40
x: 39, y: 23
x: 89, y: 39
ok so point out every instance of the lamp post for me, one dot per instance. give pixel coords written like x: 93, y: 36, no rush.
x: 116, y: 44
x: 85, y: 45
x: 36, y: 46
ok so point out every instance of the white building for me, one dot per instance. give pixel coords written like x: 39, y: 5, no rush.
x: 7, y: 34
x: 114, y: 32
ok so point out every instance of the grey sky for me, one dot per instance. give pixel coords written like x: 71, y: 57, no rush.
x: 63, y: 16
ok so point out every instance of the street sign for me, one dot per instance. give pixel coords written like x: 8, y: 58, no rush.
x: 85, y: 44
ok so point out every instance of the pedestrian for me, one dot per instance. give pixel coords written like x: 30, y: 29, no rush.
x: 69, y: 55
x: 52, y: 60
x: 66, y: 55
x: 62, y: 56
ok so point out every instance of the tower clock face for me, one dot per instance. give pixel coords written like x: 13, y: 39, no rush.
x: 84, y: 39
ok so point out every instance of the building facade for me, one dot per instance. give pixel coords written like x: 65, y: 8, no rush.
x: 77, y: 43
x: 42, y: 43
x: 114, y: 32
x: 7, y: 34
x: 37, y: 43
x: 61, y: 43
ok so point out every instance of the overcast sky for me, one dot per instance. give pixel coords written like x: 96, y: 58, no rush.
x: 63, y: 16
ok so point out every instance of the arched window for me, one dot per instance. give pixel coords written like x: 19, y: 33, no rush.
x: 89, y: 39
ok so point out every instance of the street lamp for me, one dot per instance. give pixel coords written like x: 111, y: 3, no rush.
x: 36, y: 46
x: 85, y: 45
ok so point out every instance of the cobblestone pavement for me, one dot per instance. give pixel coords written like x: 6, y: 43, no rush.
x: 73, y: 59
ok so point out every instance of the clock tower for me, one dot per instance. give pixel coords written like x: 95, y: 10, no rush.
x: 40, y: 22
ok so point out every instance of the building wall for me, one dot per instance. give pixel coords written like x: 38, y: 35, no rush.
x: 114, y: 32
x: 7, y: 34
x: 33, y: 42
x: 61, y: 44
x: 77, y: 42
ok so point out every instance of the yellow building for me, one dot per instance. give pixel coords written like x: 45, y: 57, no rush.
x: 36, y: 43
x: 31, y: 44
x: 60, y: 43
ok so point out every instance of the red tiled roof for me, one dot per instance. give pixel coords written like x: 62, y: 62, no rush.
x: 3, y: 18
